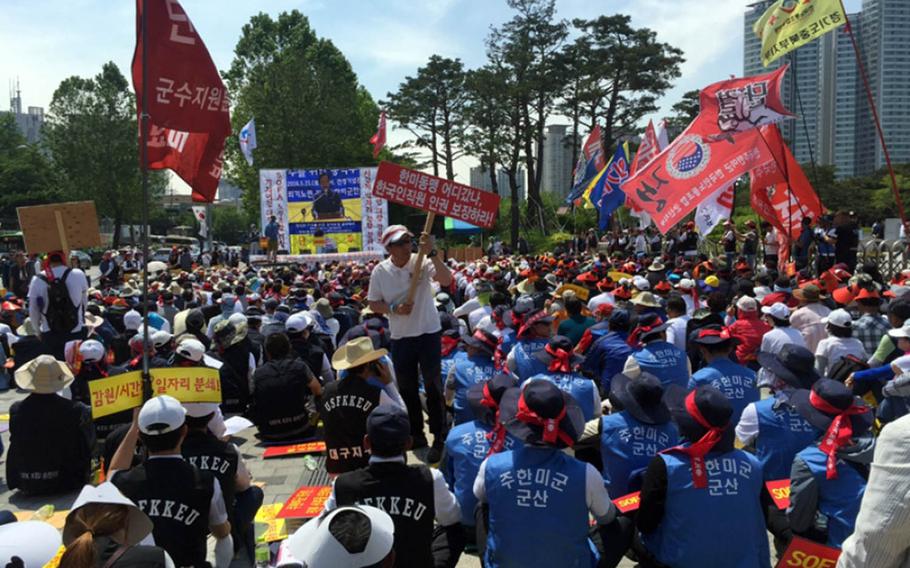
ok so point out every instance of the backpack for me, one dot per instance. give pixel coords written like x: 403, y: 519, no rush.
x: 61, y: 312
x: 845, y: 367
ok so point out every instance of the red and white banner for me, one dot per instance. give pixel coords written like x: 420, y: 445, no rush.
x: 375, y: 212
x: 201, y: 218
x: 437, y: 195
x: 651, y: 145
x: 187, y: 104
x: 737, y: 105
x: 273, y: 200
x: 378, y: 139
x: 715, y: 209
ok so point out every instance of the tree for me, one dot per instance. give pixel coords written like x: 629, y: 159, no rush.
x: 91, y: 133
x: 229, y: 224
x: 26, y: 176
x: 309, y: 107
x: 431, y: 107
x: 684, y: 112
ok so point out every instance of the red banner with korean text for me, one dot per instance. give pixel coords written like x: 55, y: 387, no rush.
x: 294, y: 449
x: 737, y: 105
x: 437, y: 195
x: 187, y: 104
x: 306, y: 503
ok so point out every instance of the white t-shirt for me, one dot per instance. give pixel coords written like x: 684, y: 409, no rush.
x: 76, y: 285
x: 600, y: 299
x: 832, y: 349
x: 774, y: 340
x: 389, y: 284
x: 676, y: 330
x: 771, y: 242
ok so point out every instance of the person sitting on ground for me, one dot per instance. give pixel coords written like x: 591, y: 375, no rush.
x: 655, y: 355
x: 748, y: 330
x: 575, y: 325
x: 472, y: 366
x: 559, y: 364
x: 606, y: 357
x: 346, y: 537
x: 738, y: 383
x: 778, y: 317
x: 840, y: 343
x: 93, y: 365
x: 531, y: 338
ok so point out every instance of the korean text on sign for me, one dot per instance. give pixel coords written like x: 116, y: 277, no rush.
x: 115, y: 394
x: 436, y: 195
x: 306, y: 503
x: 187, y: 384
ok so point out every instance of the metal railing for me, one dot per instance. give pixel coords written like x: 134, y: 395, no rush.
x: 891, y: 257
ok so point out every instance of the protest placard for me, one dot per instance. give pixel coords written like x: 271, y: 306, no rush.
x: 294, y: 449
x: 306, y: 503
x: 628, y: 503
x: 59, y: 226
x: 276, y: 528
x: 115, y: 394
x: 123, y: 392
x: 780, y: 492
x: 804, y: 553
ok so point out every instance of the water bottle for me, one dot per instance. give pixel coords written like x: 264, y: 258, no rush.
x: 44, y: 513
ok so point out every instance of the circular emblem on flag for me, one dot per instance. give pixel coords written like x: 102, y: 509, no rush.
x: 688, y: 158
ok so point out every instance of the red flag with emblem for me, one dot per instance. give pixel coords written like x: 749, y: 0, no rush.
x: 187, y: 103
x: 737, y: 105
x: 378, y: 139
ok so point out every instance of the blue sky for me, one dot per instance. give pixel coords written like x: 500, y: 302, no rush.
x: 45, y: 41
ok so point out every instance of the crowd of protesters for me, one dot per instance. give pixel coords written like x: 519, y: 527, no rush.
x: 551, y: 385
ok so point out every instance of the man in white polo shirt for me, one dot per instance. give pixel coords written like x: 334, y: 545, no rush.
x: 415, y: 328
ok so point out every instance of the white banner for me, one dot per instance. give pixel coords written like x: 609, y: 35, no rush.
x: 248, y: 140
x: 375, y: 212
x: 201, y: 218
x: 273, y: 200
x: 715, y: 209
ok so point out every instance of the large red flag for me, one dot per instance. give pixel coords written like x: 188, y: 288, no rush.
x: 378, y: 139
x: 187, y: 105
x: 648, y: 148
x: 736, y: 105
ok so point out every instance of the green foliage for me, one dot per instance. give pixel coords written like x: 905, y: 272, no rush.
x: 26, y: 176
x: 684, y: 112
x: 229, y: 224
x: 310, y: 110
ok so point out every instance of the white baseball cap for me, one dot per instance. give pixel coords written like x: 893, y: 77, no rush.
x: 200, y: 409
x: 747, y: 304
x: 91, y: 350
x: 641, y: 283
x: 160, y: 338
x: 161, y: 415
x: 686, y: 284
x: 35, y: 543
x: 299, y: 322
x: 901, y: 332
x: 393, y: 234
x: 840, y: 318
x: 191, y: 349
x: 777, y: 310
x: 316, y: 543
x: 132, y: 320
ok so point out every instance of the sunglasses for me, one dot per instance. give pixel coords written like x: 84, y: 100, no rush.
x: 404, y: 241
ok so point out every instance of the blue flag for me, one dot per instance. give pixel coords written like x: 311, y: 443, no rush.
x: 606, y: 195
x: 590, y: 162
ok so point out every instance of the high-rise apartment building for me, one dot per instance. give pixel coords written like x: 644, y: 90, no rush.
x: 556, y: 176
x: 480, y: 178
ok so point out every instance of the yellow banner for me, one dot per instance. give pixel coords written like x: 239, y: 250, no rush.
x: 124, y: 392
x: 788, y: 24
x: 580, y: 291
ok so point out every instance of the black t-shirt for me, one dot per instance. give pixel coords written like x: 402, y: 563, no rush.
x: 328, y: 205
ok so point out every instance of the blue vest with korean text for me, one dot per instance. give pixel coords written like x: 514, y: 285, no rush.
x: 782, y: 433
x: 537, y: 491
x: 627, y: 446
x: 526, y: 364
x: 720, y: 525
x: 466, y: 448
x: 446, y: 363
x: 469, y: 371
x: 665, y: 361
x: 838, y: 499
x: 736, y: 382
x: 581, y: 388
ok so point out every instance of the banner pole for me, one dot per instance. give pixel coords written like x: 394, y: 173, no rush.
x: 875, y: 117
x: 143, y: 151
x: 418, y: 266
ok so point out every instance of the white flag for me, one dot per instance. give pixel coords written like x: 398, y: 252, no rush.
x: 199, y: 213
x: 661, y: 134
x: 248, y: 140
x: 715, y: 209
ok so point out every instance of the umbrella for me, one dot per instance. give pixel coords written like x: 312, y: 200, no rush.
x: 156, y: 266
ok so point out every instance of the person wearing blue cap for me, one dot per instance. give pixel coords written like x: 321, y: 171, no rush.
x: 606, y: 357
x: 738, y: 383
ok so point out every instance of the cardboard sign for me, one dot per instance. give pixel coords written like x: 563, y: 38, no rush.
x: 59, y: 226
x: 628, y: 503
x: 124, y: 392
x: 804, y: 553
x: 294, y: 449
x: 306, y: 503
x: 580, y: 291
x: 277, y: 528
x: 436, y: 195
x: 780, y: 492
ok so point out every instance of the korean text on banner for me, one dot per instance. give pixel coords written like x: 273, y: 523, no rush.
x: 306, y: 502
x: 294, y: 449
x: 436, y: 195
x: 737, y: 105
x: 273, y: 200
x: 188, y: 384
x: 802, y: 553
x: 786, y: 25
x: 115, y: 394
x: 375, y: 212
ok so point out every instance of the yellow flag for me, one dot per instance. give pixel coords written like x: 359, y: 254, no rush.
x: 788, y: 24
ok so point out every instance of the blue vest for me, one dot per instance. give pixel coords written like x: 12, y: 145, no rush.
x: 537, y: 491
x: 469, y: 372
x: 627, y: 446
x: 447, y: 362
x: 466, y: 448
x: 782, y: 433
x: 736, y: 382
x: 665, y: 361
x: 581, y: 388
x: 526, y: 364
x: 720, y: 525
x: 838, y: 499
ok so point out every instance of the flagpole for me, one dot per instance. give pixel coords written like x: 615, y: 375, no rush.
x: 878, y: 124
x: 143, y: 152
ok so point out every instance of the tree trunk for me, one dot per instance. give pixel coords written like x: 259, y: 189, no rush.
x: 576, y: 123
x: 513, y: 208
x: 447, y: 145
x: 611, y: 115
x: 494, y: 185
x: 434, y: 151
x: 118, y: 225
x: 533, y: 187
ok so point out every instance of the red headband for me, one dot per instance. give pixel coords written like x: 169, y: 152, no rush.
x: 698, y: 450
x: 448, y: 344
x: 561, y: 362
x: 839, y: 432
x: 497, y: 319
x: 642, y: 330
x: 551, y: 429
x: 479, y: 336
x: 497, y: 436
x: 723, y: 333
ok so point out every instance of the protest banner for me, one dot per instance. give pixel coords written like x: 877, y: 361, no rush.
x: 580, y: 291
x: 804, y: 553
x: 628, y: 503
x: 188, y: 384
x: 277, y: 529
x: 59, y: 226
x: 115, y: 394
x: 780, y: 492
x: 787, y: 25
x: 306, y: 503
x: 294, y: 449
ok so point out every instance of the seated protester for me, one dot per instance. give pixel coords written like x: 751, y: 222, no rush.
x: 346, y: 403
x: 195, y: 326
x: 183, y: 502
x: 231, y: 348
x: 132, y: 321
x: 840, y: 342
x: 637, y: 430
x: 524, y: 307
x: 576, y: 324
x: 93, y: 365
x: 135, y: 361
x: 677, y: 320
x: 895, y: 401
x: 653, y: 354
x: 778, y: 317
x: 874, y: 379
x: 27, y: 345
x: 449, y: 342
x: 558, y: 364
x: 531, y: 337
x: 600, y: 328
x: 702, y: 489
x: 360, y: 536
x: 885, y: 350
x: 828, y: 477
x: 413, y: 495
x: 190, y: 353
x: 51, y: 439
x: 308, y: 347
x: 104, y: 528
x: 537, y: 485
x: 283, y: 390
x: 748, y: 330
x: 204, y: 451
x: 782, y: 292
x: 164, y: 344
x: 473, y: 366
x: 469, y: 443
x: 738, y: 383
x: 607, y: 356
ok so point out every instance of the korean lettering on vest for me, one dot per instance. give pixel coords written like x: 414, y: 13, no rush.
x: 533, y: 485
x: 734, y: 386
x: 396, y: 506
x: 477, y: 444
x: 348, y: 452
x: 168, y: 509
x: 210, y: 463
x: 727, y: 484
x: 645, y: 441
x: 348, y: 401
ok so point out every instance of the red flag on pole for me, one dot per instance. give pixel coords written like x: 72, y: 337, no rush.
x: 378, y: 139
x: 737, y: 105
x: 188, y: 106
x: 648, y: 148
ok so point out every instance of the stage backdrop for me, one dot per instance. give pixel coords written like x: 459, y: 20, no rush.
x: 324, y: 211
